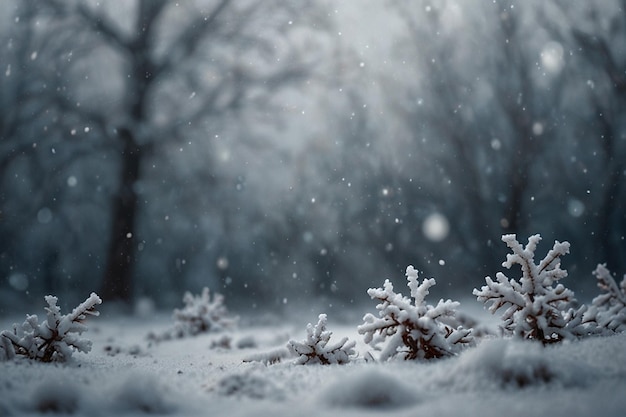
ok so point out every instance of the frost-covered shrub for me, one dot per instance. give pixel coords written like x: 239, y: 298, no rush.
x: 609, y: 308
x: 55, y: 338
x: 415, y: 330
x: 535, y: 308
x: 201, y: 314
x: 315, y: 349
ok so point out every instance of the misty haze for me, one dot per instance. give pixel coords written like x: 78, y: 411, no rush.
x: 322, y: 208
x: 301, y: 152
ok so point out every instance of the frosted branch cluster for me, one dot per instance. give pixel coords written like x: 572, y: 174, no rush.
x: 53, y: 339
x: 414, y: 329
x: 609, y: 308
x: 316, y: 347
x: 534, y: 307
x: 201, y: 314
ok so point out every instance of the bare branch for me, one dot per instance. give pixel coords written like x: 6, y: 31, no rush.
x: 600, y: 49
x: 187, y: 42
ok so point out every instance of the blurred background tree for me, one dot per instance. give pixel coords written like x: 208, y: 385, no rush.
x: 299, y: 153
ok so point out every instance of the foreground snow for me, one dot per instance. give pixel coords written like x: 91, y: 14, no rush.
x: 125, y: 374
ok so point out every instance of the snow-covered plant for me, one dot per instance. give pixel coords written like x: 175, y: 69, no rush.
x: 316, y: 349
x: 535, y: 308
x: 55, y: 338
x: 609, y: 308
x: 201, y: 314
x: 416, y: 330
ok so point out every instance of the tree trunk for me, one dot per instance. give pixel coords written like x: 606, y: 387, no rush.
x: 512, y: 221
x: 611, y: 207
x: 117, y: 284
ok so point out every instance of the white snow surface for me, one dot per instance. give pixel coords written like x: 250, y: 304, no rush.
x: 127, y: 375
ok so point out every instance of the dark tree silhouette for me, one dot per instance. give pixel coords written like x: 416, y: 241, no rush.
x: 480, y: 115
x: 155, y: 60
x: 601, y: 49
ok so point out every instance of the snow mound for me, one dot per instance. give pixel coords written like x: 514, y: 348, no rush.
x: 370, y: 389
x: 142, y: 393
x: 513, y: 364
x: 512, y: 377
x: 249, y: 385
x: 57, y: 396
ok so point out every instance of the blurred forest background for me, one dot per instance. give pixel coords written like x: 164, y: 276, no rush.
x: 285, y: 152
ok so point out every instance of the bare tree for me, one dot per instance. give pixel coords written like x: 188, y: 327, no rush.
x: 226, y: 54
x: 476, y: 108
x: 594, y: 32
x: 600, y: 48
x: 24, y: 114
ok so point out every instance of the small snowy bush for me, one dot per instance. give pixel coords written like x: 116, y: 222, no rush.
x: 534, y: 307
x: 609, y: 308
x: 54, y: 339
x: 315, y: 349
x: 201, y: 314
x: 416, y: 330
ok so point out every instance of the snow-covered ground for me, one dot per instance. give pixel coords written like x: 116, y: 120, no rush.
x: 207, y: 375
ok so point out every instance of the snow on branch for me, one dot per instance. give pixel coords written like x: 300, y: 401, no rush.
x: 55, y: 338
x: 201, y: 314
x: 415, y: 330
x: 535, y: 308
x: 269, y: 358
x: 316, y: 349
x: 609, y: 308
